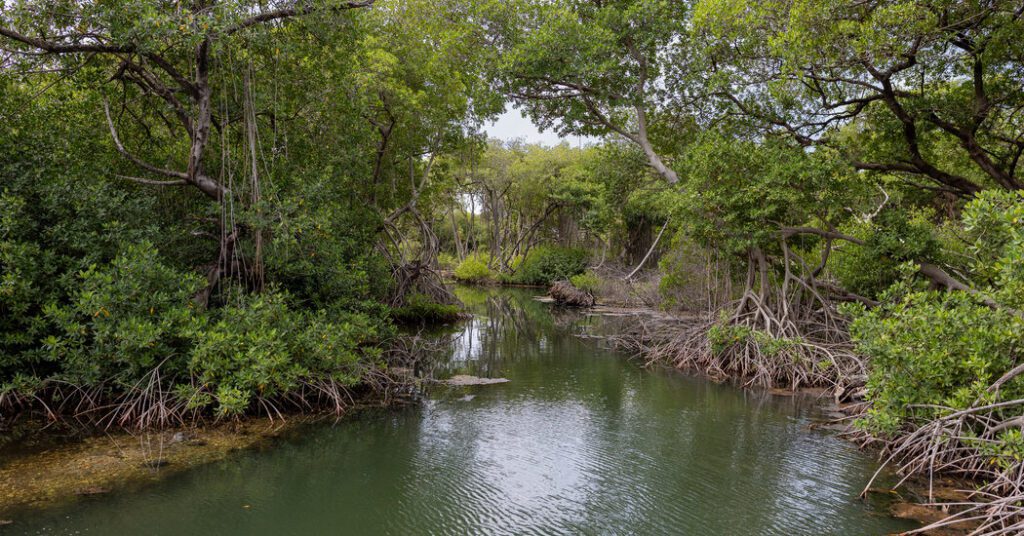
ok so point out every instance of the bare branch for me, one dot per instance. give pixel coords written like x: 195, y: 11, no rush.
x: 151, y: 182
x: 136, y: 160
x: 285, y: 13
x: 63, y: 48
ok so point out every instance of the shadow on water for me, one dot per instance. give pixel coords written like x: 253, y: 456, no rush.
x: 580, y: 441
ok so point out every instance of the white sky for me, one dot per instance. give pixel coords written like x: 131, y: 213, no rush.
x: 512, y: 124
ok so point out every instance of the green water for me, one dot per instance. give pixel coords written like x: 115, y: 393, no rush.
x: 579, y: 442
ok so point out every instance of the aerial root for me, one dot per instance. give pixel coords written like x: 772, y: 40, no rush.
x: 966, y: 443
x: 758, y: 347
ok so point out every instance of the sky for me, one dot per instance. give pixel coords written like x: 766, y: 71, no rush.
x: 512, y: 124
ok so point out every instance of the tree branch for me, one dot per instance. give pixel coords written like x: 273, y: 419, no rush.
x: 792, y: 231
x: 285, y: 13
x: 63, y: 48
x: 136, y: 160
x: 151, y: 182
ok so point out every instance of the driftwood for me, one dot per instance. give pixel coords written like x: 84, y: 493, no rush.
x: 564, y: 293
x: 462, y: 380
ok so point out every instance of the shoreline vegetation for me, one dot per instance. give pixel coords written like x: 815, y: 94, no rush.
x: 55, y: 468
x: 218, y: 210
x: 107, y: 462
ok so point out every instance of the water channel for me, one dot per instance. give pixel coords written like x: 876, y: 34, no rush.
x: 579, y: 441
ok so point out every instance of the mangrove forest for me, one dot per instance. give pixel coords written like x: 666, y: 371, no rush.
x: 512, y: 267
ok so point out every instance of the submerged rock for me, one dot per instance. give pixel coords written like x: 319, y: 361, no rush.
x: 923, y: 514
x: 92, y: 490
x: 463, y: 379
x: 96, y: 464
x: 180, y: 437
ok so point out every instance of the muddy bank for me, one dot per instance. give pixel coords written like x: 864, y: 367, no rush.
x: 99, y: 464
x: 44, y: 463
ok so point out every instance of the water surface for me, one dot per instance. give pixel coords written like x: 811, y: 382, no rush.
x: 580, y: 441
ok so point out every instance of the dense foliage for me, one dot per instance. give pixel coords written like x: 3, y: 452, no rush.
x: 546, y: 264
x: 473, y: 269
x: 933, y: 350
x: 819, y: 154
x: 228, y: 206
x: 206, y: 206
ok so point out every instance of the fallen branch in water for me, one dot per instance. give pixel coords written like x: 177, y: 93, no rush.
x: 461, y: 380
x: 564, y: 293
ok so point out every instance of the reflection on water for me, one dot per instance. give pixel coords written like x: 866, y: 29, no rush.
x: 579, y: 442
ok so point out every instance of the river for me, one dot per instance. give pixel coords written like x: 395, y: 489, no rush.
x: 580, y: 441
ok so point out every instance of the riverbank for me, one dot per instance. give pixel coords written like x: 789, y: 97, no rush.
x: 41, y: 468
x: 113, y: 463
x: 578, y: 440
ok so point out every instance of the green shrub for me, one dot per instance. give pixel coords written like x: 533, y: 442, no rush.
x: 893, y: 238
x: 447, y: 261
x: 723, y: 336
x: 587, y: 281
x: 261, y: 348
x: 473, y: 269
x: 994, y: 222
x: 515, y: 262
x: 929, y: 348
x: 127, y: 318
x: 135, y: 315
x: 546, y: 264
x: 48, y: 239
x: 420, y: 308
x: 319, y: 256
